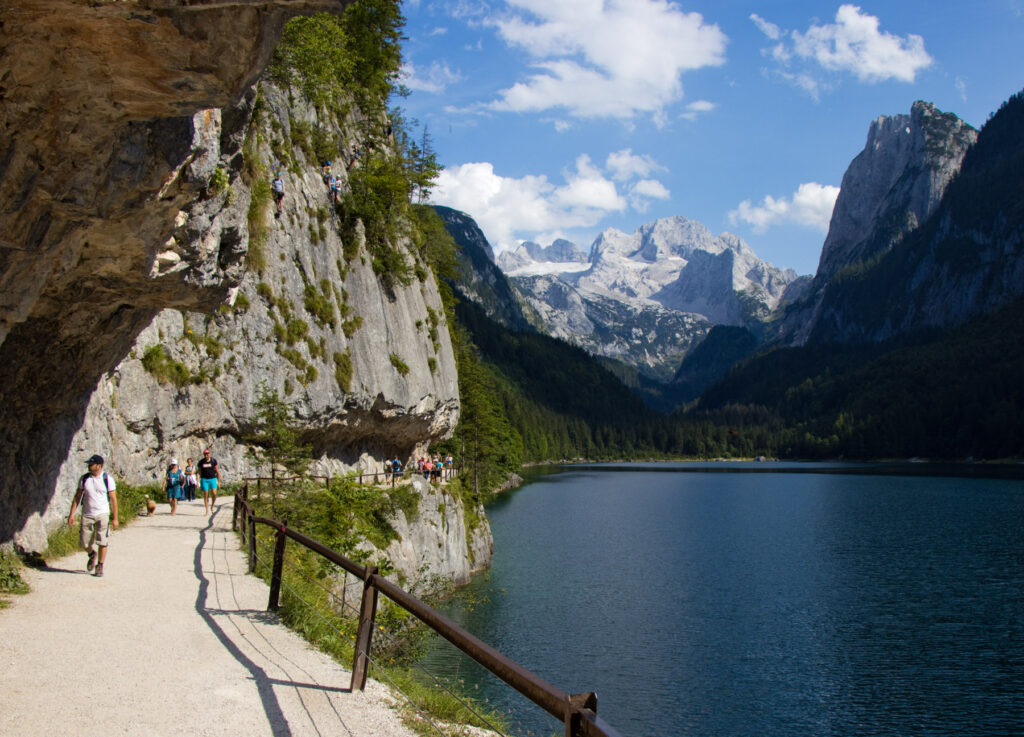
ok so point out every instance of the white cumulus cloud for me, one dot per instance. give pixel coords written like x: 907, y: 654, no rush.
x: 509, y: 209
x: 625, y: 165
x: 435, y: 79
x: 853, y: 44
x: 614, y: 58
x: 641, y: 194
x: 810, y: 206
x: 769, y: 29
x: 696, y: 108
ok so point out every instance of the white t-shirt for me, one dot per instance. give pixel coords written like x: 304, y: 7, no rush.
x: 95, y: 501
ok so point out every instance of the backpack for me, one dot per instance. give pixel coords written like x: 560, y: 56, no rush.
x: 81, y: 482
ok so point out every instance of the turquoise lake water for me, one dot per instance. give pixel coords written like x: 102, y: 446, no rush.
x: 730, y: 600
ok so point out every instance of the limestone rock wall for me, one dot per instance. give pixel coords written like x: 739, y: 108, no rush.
x: 436, y: 542
x: 352, y: 356
x: 135, y: 318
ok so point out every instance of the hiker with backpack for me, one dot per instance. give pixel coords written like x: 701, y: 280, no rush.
x: 277, y: 188
x: 96, y: 491
x: 174, y: 485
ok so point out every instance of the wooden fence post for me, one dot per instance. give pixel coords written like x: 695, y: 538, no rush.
x: 573, y: 718
x: 252, y: 544
x: 364, y: 636
x: 275, y: 576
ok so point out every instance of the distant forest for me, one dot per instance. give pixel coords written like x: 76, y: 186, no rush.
x: 951, y: 398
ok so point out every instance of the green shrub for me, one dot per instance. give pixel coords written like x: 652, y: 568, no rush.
x: 218, y: 181
x: 163, y: 368
x: 343, y: 370
x: 399, y: 364
x: 295, y: 331
x: 350, y: 326
x: 319, y: 305
x: 10, y: 575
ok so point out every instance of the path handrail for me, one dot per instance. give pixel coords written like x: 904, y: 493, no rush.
x: 578, y: 712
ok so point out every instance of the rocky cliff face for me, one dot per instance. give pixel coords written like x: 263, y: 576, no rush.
x: 480, y: 280
x: 108, y: 130
x: 965, y: 260
x: 163, y: 295
x: 889, y: 189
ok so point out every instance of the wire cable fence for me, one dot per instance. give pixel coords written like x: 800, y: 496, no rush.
x: 578, y: 712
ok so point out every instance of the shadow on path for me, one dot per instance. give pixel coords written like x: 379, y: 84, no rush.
x: 264, y: 684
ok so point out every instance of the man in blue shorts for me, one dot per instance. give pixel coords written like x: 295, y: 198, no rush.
x: 209, y: 478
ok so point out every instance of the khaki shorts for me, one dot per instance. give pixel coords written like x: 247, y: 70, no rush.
x: 95, y: 530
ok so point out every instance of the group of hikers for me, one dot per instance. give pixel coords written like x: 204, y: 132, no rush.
x: 333, y: 182
x: 96, y: 494
x: 181, y: 484
x: 433, y: 468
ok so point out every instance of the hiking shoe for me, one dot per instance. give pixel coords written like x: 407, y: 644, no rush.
x: 92, y: 561
x: 99, y: 570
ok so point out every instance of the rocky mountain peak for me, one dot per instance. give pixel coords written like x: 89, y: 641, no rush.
x: 889, y: 189
x: 894, y: 183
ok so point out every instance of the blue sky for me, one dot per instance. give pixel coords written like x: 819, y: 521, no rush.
x: 560, y: 118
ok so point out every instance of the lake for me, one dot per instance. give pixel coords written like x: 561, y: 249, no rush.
x: 758, y: 599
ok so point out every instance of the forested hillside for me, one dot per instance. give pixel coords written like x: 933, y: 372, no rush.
x: 952, y: 396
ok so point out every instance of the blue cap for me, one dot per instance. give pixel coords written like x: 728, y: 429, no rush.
x: 95, y: 459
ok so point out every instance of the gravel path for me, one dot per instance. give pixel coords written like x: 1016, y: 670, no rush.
x: 174, y: 639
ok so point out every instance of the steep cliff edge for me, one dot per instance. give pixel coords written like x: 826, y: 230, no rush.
x: 168, y: 309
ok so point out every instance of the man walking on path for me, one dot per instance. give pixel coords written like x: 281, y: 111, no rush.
x: 96, y: 492
x: 209, y: 479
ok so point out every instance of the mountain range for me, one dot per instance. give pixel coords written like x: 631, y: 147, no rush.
x: 925, y: 237
x: 646, y: 298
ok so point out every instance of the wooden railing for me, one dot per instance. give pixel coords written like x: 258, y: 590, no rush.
x: 578, y: 712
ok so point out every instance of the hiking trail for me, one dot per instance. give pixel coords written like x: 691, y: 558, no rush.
x: 174, y: 639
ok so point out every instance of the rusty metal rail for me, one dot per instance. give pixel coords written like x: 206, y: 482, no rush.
x: 578, y: 712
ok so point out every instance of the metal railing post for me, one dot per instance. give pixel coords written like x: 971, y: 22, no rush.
x: 275, y: 576
x: 364, y: 636
x: 252, y: 543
